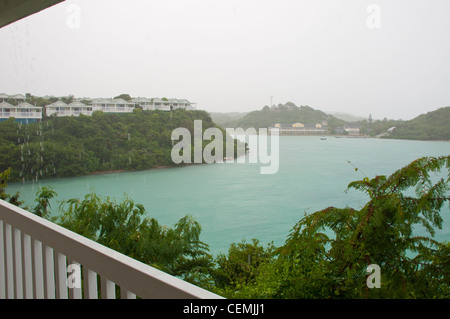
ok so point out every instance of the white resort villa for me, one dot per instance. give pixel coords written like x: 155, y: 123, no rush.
x: 300, y: 128
x: 73, y: 109
x: 112, y: 106
x: 163, y: 104
x: 23, y: 112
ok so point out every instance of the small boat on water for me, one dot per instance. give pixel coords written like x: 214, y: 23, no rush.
x: 323, y: 138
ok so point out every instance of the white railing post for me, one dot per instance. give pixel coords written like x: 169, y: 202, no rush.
x: 125, y: 294
x: 108, y: 289
x: 27, y: 267
x: 38, y: 270
x: 49, y: 273
x: 18, y: 264
x: 9, y: 266
x: 61, y: 276
x: 90, y: 284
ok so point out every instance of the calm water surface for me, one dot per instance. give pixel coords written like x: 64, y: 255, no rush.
x: 234, y: 201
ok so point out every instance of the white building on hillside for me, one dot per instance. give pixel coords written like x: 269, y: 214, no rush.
x: 75, y: 108
x: 182, y: 104
x: 113, y: 106
x: 160, y: 104
x: 143, y: 102
x: 352, y: 129
x: 164, y: 105
x: 23, y: 112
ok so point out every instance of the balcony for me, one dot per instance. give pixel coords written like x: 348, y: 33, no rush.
x: 20, y: 114
x: 42, y: 260
x: 113, y: 108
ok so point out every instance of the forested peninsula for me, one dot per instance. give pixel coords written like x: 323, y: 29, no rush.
x: 429, y: 126
x: 103, y: 142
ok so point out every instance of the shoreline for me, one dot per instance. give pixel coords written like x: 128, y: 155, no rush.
x: 108, y: 172
x: 126, y: 170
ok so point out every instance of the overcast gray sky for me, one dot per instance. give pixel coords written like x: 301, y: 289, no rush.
x: 386, y: 58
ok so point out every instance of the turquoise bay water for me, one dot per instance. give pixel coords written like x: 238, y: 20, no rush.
x: 234, y: 201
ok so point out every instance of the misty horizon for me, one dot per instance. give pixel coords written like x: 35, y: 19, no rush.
x: 372, y: 57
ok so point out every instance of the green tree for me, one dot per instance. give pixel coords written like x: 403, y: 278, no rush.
x: 68, y: 99
x: 382, y: 233
x: 125, y: 97
x: 240, y: 267
x: 12, y: 199
x: 44, y: 195
x: 121, y: 226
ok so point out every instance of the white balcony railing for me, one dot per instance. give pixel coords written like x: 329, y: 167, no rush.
x: 21, y: 114
x: 35, y: 254
x: 68, y: 112
x: 113, y: 109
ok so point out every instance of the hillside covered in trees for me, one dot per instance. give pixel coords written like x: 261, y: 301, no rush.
x: 430, y: 126
x: 287, y: 113
x: 74, y: 146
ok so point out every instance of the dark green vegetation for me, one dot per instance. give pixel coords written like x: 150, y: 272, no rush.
x: 375, y: 128
x: 13, y: 199
x: 430, y: 126
x: 120, y: 225
x: 74, y: 146
x: 288, y: 113
x: 326, y: 254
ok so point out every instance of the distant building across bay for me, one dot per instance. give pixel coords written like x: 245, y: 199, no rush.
x: 314, y: 129
x: 300, y: 128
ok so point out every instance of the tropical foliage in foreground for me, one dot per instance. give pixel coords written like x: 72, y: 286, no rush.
x: 326, y: 255
x: 121, y: 226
